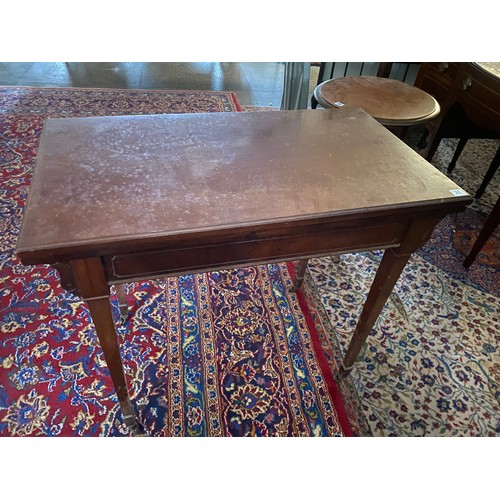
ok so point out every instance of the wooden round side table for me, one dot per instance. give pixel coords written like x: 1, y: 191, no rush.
x: 390, y: 102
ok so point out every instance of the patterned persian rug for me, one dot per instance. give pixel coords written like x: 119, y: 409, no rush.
x: 431, y: 366
x: 229, y: 353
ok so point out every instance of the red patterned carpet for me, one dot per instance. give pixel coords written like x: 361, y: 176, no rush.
x: 228, y: 353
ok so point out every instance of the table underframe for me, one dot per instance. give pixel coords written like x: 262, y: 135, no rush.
x: 400, y: 232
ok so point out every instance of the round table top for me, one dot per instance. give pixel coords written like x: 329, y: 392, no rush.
x: 389, y: 101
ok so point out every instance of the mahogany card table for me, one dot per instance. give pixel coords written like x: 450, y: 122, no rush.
x: 124, y: 198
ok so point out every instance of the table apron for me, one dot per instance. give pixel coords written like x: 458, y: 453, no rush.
x: 204, y: 257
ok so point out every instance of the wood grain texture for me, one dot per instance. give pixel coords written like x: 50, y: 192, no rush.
x: 150, y: 181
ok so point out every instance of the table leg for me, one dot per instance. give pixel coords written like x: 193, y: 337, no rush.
x: 299, y: 275
x: 122, y: 301
x: 301, y: 272
x: 422, y: 143
x: 487, y: 230
x: 495, y: 163
x: 94, y: 289
x: 458, y: 151
x: 100, y: 311
x: 387, y: 275
x: 390, y: 268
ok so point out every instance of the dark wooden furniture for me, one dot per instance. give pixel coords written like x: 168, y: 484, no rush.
x: 495, y: 163
x: 469, y: 96
x: 390, y: 102
x: 117, y: 199
x: 487, y: 230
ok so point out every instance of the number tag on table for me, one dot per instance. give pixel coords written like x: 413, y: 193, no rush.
x: 458, y: 192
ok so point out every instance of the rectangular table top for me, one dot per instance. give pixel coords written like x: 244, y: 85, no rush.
x: 99, y: 180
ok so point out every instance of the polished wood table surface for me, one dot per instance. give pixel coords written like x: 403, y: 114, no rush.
x: 117, y: 199
x: 390, y: 102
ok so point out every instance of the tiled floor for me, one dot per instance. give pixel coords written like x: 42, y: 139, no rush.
x: 255, y: 84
